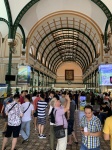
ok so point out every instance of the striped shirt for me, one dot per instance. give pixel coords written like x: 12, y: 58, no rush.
x: 41, y: 112
x: 94, y: 125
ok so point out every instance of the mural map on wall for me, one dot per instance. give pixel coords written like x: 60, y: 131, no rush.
x: 105, y: 74
x: 24, y: 74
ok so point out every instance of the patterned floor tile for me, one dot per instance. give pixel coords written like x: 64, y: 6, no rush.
x: 35, y: 143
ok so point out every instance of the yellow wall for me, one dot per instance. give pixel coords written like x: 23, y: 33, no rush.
x: 77, y: 75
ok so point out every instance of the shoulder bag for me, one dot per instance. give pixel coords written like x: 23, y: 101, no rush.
x: 59, y: 131
x: 11, y: 107
x: 26, y: 109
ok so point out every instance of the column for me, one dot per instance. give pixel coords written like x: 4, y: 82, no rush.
x: 95, y: 79
x: 32, y: 79
x: 46, y: 81
x: 92, y: 81
x: 38, y: 80
x: 9, y: 68
x: 42, y: 81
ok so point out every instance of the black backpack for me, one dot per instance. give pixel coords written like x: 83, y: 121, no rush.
x: 52, y: 116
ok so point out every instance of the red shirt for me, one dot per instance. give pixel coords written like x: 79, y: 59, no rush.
x: 35, y: 102
x: 21, y: 100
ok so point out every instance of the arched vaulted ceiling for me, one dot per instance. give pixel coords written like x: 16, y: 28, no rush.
x: 65, y: 36
x: 61, y: 36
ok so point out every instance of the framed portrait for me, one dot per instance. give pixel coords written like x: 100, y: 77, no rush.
x: 69, y: 74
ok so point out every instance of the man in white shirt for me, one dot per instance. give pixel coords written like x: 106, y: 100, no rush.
x: 14, y: 112
x: 28, y: 111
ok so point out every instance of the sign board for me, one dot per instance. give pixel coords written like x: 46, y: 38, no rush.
x: 24, y: 74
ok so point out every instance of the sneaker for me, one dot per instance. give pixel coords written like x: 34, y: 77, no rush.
x: 40, y: 137
x: 44, y: 136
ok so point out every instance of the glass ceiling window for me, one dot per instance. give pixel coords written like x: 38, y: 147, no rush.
x: 66, y: 38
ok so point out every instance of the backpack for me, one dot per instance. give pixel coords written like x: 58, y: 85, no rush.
x: 52, y: 116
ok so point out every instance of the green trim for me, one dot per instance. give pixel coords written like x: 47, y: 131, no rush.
x: 9, y: 70
x: 108, y: 14
x: 21, y: 28
x: 105, y: 33
x: 99, y: 3
x: 71, y: 54
x: 67, y: 29
x: 62, y: 49
x: 8, y: 12
x: 23, y: 33
x: 10, y: 25
x: 111, y: 25
x: 104, y: 8
x: 55, y: 60
x: 9, y: 19
x: 81, y: 64
x: 4, y: 20
x: 79, y: 60
x: 21, y: 14
x: 63, y: 44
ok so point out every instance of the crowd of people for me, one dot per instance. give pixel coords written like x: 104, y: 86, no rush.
x: 59, y: 107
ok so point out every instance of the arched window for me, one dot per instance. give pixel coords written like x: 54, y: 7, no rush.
x: 32, y: 50
x: 49, y: 66
x: 46, y: 64
x: 38, y: 56
x: 43, y: 60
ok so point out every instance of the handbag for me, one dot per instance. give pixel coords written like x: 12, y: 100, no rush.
x: 59, y: 131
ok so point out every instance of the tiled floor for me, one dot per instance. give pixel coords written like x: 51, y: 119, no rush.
x: 43, y: 144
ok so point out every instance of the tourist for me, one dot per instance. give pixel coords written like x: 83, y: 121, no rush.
x: 90, y: 129
x: 14, y: 112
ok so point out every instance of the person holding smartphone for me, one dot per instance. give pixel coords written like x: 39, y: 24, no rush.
x: 90, y: 127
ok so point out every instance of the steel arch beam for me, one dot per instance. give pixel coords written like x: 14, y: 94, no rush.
x: 48, y: 46
x: 105, y: 33
x: 9, y: 15
x: 4, y: 20
x: 99, y: 3
x: 87, y: 63
x: 62, y: 49
x: 21, y: 28
x: 8, y: 10
x: 108, y: 14
x: 73, y: 29
x: 104, y: 8
x: 24, y: 37
x: 63, y: 44
x: 56, y: 63
x: 55, y: 59
x: 21, y: 14
x: 58, y: 60
x: 66, y: 61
